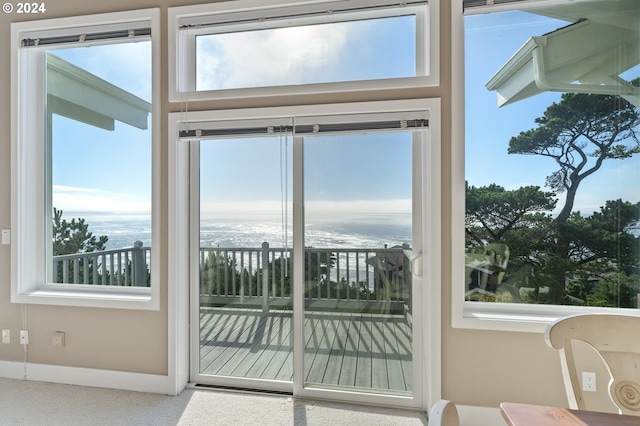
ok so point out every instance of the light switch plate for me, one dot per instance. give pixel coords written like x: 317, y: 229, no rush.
x: 6, y: 236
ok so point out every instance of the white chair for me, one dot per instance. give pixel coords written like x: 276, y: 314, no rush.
x: 616, y: 338
x: 443, y: 413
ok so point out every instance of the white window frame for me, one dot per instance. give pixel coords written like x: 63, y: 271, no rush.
x: 182, y: 48
x: 487, y: 315
x: 427, y: 320
x: 29, y: 213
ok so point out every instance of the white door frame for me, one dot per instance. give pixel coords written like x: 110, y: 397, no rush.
x: 430, y: 261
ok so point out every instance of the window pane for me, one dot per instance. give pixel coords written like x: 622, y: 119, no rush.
x: 330, y: 52
x: 358, y: 233
x: 245, y: 258
x: 553, y: 177
x: 99, y: 164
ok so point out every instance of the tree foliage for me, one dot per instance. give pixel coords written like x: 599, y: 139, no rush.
x: 492, y: 211
x: 579, y: 133
x: 74, y: 236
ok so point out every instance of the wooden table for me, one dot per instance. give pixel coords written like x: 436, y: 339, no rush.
x: 537, y: 415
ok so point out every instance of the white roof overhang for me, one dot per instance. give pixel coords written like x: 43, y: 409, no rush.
x: 585, y: 57
x: 79, y: 95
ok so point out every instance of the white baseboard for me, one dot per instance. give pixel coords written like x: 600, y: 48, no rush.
x: 123, y: 380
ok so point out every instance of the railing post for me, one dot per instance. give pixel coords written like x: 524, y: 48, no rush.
x: 265, y: 277
x: 138, y: 265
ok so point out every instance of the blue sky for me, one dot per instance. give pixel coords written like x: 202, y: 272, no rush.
x: 338, y: 51
x: 100, y: 170
x: 490, y: 41
x: 348, y: 172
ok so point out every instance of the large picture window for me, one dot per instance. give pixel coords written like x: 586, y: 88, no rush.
x: 84, y: 159
x: 552, y: 171
x: 280, y: 48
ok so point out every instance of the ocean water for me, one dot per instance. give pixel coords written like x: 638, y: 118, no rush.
x: 364, y: 231
x: 320, y: 232
x: 123, y: 230
x: 345, y: 231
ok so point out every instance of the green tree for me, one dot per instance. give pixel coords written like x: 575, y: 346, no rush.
x: 220, y: 276
x: 615, y: 290
x: 492, y: 212
x: 71, y: 238
x: 579, y: 133
x: 74, y: 237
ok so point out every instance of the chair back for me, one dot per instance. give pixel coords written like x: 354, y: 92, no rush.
x: 616, y: 338
x: 443, y: 413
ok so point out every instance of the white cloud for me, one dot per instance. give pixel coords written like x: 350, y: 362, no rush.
x: 73, y: 198
x: 270, y: 57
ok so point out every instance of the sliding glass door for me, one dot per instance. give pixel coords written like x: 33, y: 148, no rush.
x: 304, y: 244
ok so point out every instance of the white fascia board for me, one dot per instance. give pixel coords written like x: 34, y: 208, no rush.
x: 91, y: 99
x: 586, y: 52
x: 514, y: 80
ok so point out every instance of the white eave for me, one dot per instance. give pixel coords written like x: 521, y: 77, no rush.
x: 79, y: 95
x: 584, y: 57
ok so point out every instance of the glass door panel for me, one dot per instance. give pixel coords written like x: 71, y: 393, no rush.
x: 245, y: 262
x: 357, y: 281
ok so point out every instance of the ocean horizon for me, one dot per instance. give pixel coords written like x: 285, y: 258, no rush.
x: 364, y: 230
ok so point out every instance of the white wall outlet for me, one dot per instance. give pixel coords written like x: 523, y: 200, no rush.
x: 6, y: 336
x: 24, y: 337
x: 57, y: 339
x: 588, y: 381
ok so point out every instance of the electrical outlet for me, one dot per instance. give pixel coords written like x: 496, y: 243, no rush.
x: 24, y: 337
x: 57, y: 339
x: 6, y: 336
x: 588, y: 381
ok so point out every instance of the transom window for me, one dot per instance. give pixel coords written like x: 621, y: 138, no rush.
x: 220, y: 52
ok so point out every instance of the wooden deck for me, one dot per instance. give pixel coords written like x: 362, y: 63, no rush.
x: 353, y: 350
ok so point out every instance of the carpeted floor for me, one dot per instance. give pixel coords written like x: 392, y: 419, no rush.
x: 36, y: 403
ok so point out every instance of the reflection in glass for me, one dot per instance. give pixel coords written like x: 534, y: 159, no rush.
x: 552, y: 196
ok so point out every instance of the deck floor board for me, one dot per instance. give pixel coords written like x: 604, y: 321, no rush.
x: 362, y: 350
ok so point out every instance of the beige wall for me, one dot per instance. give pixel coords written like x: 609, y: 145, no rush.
x: 478, y: 367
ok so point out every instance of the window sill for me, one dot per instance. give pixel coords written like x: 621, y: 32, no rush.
x: 90, y: 296
x: 520, y: 318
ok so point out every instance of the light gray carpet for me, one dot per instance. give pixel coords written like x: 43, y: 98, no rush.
x: 35, y: 403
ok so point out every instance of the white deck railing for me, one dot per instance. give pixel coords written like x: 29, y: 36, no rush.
x: 128, y: 267
x: 335, y: 278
